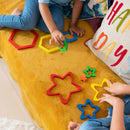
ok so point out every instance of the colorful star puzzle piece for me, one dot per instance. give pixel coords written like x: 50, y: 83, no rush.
x: 54, y: 85
x: 83, y: 78
x: 65, y: 46
x: 22, y: 47
x: 99, y: 85
x: 70, y: 40
x: 82, y: 110
x: 89, y: 69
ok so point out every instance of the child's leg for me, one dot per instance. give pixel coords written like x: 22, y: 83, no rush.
x: 58, y: 17
x: 26, y: 21
x: 17, y: 12
x: 96, y: 124
x: 102, y: 124
x: 126, y: 99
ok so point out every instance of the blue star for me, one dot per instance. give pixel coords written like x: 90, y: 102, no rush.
x: 94, y: 113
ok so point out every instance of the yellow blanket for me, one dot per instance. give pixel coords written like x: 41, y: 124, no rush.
x: 31, y: 69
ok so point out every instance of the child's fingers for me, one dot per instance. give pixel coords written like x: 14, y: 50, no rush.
x: 78, y: 34
x: 62, y: 38
x: 107, y: 89
x: 113, y: 94
x: 101, y: 100
x: 56, y: 41
x: 71, y: 32
x: 60, y: 42
x: 72, y: 125
x: 106, y: 95
x: 81, y: 33
x: 50, y: 41
x: 109, y: 82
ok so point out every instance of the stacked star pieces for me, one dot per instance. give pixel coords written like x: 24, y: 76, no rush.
x: 84, y: 78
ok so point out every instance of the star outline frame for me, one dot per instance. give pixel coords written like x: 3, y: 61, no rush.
x: 82, y: 117
x: 54, y: 85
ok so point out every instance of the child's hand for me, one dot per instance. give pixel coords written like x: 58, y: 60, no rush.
x: 117, y: 88
x: 112, y: 100
x: 77, y: 30
x: 58, y: 37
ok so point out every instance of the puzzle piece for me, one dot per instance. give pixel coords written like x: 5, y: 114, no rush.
x: 70, y: 40
x: 54, y: 85
x: 94, y: 113
x: 99, y: 85
x: 89, y: 69
x: 65, y: 46
x: 22, y: 47
x: 44, y: 48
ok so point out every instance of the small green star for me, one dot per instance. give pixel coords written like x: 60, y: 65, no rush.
x: 89, y: 69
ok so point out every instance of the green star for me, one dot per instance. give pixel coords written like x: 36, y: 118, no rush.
x: 89, y: 69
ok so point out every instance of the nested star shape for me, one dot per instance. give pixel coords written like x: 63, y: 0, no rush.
x: 82, y: 110
x: 54, y: 85
x: 89, y: 69
x: 98, y: 85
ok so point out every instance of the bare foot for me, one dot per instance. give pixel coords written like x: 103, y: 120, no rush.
x: 74, y: 126
x: 17, y: 12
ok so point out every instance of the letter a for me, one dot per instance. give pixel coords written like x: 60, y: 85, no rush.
x: 126, y: 12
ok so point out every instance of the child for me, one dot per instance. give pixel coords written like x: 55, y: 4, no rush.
x: 45, y: 15
x: 119, y: 119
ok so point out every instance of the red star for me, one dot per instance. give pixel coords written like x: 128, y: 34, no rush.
x: 52, y: 94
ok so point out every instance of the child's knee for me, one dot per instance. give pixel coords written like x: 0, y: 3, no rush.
x: 27, y: 25
x: 89, y: 124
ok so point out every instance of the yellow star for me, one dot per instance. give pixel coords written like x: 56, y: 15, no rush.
x: 99, y: 85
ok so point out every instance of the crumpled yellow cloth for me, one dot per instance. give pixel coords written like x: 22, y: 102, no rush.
x: 31, y: 69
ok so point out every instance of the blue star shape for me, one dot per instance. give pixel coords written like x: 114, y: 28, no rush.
x: 82, y: 105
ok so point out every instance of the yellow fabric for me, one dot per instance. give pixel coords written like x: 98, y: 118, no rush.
x: 31, y: 69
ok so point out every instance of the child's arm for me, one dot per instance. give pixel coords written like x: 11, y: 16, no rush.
x: 57, y: 36
x: 118, y: 88
x: 75, y: 15
x: 117, y: 122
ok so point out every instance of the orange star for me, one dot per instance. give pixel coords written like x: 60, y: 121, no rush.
x: 83, y: 78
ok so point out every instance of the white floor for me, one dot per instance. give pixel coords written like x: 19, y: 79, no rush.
x: 11, y: 105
